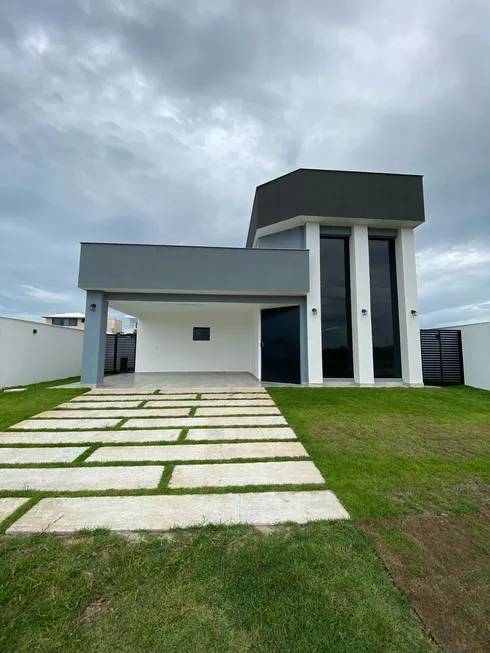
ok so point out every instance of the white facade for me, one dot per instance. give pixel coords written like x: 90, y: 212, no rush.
x: 475, y: 339
x: 314, y: 306
x: 165, y: 338
x: 31, y: 352
x: 360, y: 296
x: 362, y: 337
x: 411, y: 353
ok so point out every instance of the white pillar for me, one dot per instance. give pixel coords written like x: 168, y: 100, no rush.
x: 314, y: 303
x: 362, y: 337
x: 406, y: 275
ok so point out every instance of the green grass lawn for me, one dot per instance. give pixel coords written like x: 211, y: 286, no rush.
x: 232, y: 589
x: 17, y: 406
x: 396, y: 451
x: 319, y: 588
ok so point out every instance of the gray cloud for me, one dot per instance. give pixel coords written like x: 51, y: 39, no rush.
x: 153, y: 122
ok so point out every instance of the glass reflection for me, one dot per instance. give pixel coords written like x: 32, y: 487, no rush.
x: 384, y: 309
x: 336, y: 318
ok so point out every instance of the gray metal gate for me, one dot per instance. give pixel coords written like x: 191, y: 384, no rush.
x: 120, y: 352
x: 442, y: 357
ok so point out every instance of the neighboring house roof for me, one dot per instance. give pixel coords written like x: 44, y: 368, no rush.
x: 65, y: 315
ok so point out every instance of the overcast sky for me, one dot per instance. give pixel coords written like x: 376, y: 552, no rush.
x: 153, y: 121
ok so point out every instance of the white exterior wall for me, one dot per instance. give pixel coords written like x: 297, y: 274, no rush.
x: 476, y: 354
x: 165, y: 341
x: 406, y: 272
x: 25, y: 357
x: 255, y: 346
x: 362, y: 337
x: 314, y: 301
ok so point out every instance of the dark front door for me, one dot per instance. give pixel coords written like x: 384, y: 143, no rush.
x: 280, y: 345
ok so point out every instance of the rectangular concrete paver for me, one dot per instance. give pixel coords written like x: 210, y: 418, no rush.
x: 259, y: 390
x: 254, y: 433
x: 117, y: 412
x: 202, y: 403
x: 75, y: 437
x: 161, y: 513
x: 89, y: 398
x: 76, y: 424
x: 186, y: 452
x: 238, y: 410
x: 21, y: 456
x: 234, y: 395
x: 183, y: 422
x: 8, y: 505
x: 119, y: 391
x: 99, y: 404
x: 72, y: 479
x: 234, y: 474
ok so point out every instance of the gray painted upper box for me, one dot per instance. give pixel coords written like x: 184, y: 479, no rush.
x: 165, y: 268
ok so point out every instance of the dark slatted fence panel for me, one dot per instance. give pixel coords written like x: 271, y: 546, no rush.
x: 120, y: 353
x: 442, y: 357
x: 110, y: 345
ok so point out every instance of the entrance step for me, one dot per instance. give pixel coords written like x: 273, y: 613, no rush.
x: 8, y: 505
x: 75, y: 479
x: 93, y: 437
x: 146, y: 423
x: 185, y: 452
x: 252, y: 433
x: 240, y: 474
x: 75, y: 424
x: 161, y: 513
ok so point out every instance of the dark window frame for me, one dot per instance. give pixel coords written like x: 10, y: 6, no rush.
x: 201, y: 333
x: 397, y: 365
x: 65, y: 321
x: 349, y: 371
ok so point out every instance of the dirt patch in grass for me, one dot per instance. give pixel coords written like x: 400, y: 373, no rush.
x: 95, y: 610
x: 442, y: 563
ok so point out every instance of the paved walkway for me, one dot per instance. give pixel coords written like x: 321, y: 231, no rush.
x: 164, y: 451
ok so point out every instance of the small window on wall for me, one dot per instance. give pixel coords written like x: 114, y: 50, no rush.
x: 201, y: 333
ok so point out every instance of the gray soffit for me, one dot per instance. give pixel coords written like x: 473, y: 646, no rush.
x: 338, y: 194
x: 182, y: 298
x: 167, y: 268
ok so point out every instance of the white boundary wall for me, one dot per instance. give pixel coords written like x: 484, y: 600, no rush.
x: 52, y: 353
x: 165, y: 341
x: 475, y: 339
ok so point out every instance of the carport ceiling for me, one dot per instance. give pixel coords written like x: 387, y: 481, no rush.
x: 140, y: 309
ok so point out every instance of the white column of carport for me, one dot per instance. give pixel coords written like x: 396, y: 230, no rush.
x: 406, y: 273
x: 314, y: 306
x: 362, y: 338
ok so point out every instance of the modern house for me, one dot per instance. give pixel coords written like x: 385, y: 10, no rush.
x: 325, y: 290
x: 77, y: 321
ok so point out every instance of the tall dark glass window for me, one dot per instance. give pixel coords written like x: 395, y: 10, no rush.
x: 384, y: 309
x: 336, y: 315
